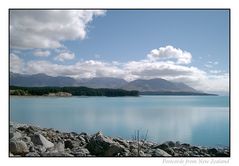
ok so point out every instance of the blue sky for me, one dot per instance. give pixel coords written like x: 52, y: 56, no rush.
x: 131, y: 34
x: 115, y: 39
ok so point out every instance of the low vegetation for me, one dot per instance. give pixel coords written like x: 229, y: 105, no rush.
x: 75, y: 91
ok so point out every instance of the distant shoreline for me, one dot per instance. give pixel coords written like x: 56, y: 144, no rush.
x: 85, y: 91
x: 177, y: 93
x: 69, y: 91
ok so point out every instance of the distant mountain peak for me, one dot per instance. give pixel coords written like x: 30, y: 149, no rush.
x: 142, y: 85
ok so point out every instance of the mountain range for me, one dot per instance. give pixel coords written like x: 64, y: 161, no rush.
x: 151, y: 86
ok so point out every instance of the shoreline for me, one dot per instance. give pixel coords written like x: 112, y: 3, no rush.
x: 32, y: 141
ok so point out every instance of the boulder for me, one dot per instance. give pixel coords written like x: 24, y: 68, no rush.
x: 162, y: 146
x: 79, y: 152
x: 185, y: 145
x: 186, y: 154
x: 122, y: 142
x: 59, y: 146
x: 100, y: 145
x: 212, y: 151
x: 223, y: 153
x: 72, y: 143
x: 32, y: 154
x: 159, y: 153
x: 15, y: 135
x: 39, y: 148
x: 169, y: 151
x: 39, y: 139
x: 170, y: 143
x: 18, y: 147
x: 26, y: 139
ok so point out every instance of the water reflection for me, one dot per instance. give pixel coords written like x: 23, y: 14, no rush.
x: 122, y: 116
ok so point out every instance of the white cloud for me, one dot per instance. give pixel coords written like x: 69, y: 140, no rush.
x: 81, y: 69
x: 211, y: 64
x: 64, y: 56
x: 208, y: 66
x: 215, y: 83
x: 213, y: 80
x: 16, y: 63
x: 41, y: 53
x: 215, y: 71
x: 169, y: 52
x: 48, y: 28
x: 132, y: 70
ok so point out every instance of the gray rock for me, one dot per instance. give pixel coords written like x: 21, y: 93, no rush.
x: 170, y: 143
x: 39, y: 139
x: 32, y: 154
x: 141, y: 153
x: 68, y: 144
x: 133, y: 145
x: 26, y: 139
x: 79, y: 152
x: 169, y: 151
x: 212, y: 151
x: 159, y: 153
x: 31, y: 149
x: 18, y: 147
x: 122, y: 142
x: 162, y: 146
x: 186, y: 154
x: 81, y: 139
x: 40, y: 148
x: 60, y: 146
x: 85, y: 136
x: 206, y: 155
x: 223, y: 153
x: 15, y: 135
x: 185, y: 145
x: 100, y: 145
x: 134, y: 152
x: 56, y: 154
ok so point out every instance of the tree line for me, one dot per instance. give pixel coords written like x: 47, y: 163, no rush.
x: 75, y: 91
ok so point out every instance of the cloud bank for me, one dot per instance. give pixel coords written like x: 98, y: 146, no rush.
x: 131, y: 70
x: 48, y: 28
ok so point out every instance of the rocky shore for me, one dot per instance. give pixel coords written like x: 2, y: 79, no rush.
x: 32, y: 141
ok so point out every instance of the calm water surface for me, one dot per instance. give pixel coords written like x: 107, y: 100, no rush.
x: 198, y: 120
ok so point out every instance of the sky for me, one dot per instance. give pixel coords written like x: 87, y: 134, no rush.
x: 190, y: 46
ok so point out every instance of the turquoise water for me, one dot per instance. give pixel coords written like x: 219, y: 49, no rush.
x: 198, y: 120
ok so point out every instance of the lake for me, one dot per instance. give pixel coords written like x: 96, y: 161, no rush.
x: 198, y: 120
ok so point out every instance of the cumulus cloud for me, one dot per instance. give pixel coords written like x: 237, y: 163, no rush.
x: 64, y: 56
x: 41, y: 53
x: 81, y: 69
x: 212, y: 80
x: 48, y: 28
x: 169, y: 52
x: 16, y: 63
x: 158, y: 69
